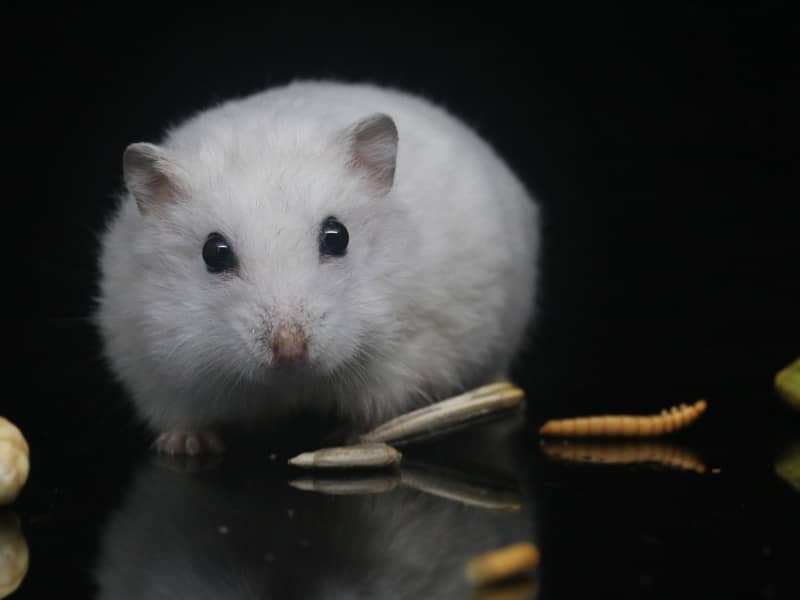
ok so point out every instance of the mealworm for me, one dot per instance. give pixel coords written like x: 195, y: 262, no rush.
x: 625, y: 453
x: 503, y: 563
x: 677, y: 417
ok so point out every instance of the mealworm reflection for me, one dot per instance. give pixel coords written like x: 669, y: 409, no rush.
x: 625, y: 453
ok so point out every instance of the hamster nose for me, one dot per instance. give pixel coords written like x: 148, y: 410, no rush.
x: 289, y: 344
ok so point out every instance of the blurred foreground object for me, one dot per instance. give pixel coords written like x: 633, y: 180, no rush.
x: 677, y: 417
x: 13, y: 554
x: 787, y: 382
x: 14, y: 461
x: 501, y: 564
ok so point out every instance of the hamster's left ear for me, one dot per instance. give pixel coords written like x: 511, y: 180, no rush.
x: 150, y: 176
x: 373, y: 151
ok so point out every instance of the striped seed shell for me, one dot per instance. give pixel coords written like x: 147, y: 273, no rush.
x: 476, y: 403
x: 349, y: 457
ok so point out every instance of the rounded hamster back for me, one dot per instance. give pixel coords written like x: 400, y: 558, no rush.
x: 375, y: 254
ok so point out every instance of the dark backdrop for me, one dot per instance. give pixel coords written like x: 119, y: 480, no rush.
x: 659, y: 143
x: 662, y: 145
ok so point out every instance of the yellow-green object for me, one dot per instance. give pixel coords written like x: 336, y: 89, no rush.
x: 787, y: 466
x: 787, y: 382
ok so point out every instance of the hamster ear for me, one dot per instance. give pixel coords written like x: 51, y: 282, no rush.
x: 373, y: 149
x: 149, y: 176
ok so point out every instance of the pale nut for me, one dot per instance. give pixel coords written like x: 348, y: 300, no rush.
x: 14, y: 461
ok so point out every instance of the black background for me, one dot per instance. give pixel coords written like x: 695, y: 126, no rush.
x: 661, y: 143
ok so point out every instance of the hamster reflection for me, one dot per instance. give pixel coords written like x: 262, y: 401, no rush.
x: 241, y: 531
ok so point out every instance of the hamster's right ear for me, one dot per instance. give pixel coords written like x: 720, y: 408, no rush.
x: 150, y: 176
x: 373, y: 150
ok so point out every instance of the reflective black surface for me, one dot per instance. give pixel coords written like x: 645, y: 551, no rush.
x: 105, y: 518
x: 662, y: 146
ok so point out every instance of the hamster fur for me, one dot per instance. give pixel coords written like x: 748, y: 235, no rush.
x: 433, y: 295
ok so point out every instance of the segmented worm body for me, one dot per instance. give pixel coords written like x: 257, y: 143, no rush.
x: 677, y: 417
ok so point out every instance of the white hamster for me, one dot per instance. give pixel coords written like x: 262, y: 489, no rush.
x: 345, y: 248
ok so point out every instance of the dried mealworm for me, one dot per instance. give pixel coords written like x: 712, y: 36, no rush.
x: 625, y: 453
x: 501, y: 564
x: 678, y: 417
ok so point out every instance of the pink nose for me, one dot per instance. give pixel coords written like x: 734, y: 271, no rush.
x: 289, y: 344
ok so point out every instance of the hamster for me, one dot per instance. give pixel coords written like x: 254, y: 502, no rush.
x: 349, y: 249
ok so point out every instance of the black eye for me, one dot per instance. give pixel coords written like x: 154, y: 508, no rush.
x: 218, y: 254
x: 333, y: 238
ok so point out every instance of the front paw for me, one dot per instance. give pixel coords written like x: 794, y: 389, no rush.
x: 189, y: 443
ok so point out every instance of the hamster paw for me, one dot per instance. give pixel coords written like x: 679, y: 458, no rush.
x: 189, y: 443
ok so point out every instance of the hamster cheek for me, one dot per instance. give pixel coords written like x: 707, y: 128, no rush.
x: 247, y: 345
x: 335, y: 340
